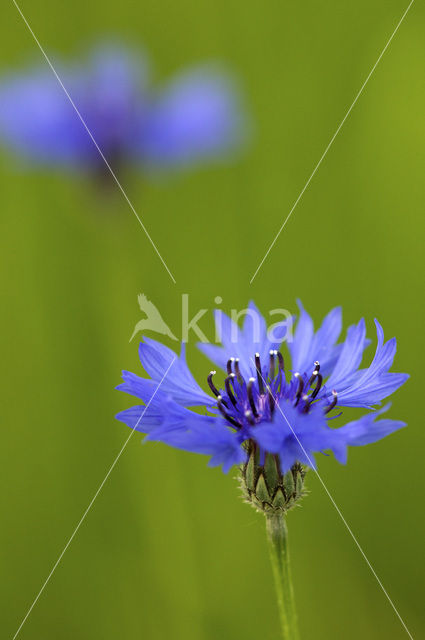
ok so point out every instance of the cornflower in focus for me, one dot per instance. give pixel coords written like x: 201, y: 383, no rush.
x: 267, y: 417
x: 265, y: 409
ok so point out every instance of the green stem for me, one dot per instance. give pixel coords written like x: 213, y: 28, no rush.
x: 277, y: 535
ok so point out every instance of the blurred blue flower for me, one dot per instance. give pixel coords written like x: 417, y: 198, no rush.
x: 195, y: 117
x: 284, y: 412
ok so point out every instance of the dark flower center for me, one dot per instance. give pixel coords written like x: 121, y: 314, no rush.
x: 243, y: 403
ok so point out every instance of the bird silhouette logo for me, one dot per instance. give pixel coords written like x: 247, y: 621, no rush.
x: 153, y: 320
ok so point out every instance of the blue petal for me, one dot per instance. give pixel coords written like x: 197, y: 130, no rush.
x: 255, y: 333
x: 350, y: 357
x: 233, y: 342
x: 205, y: 435
x: 374, y: 392
x: 133, y: 418
x: 242, y: 343
x: 153, y: 416
x: 158, y: 409
x: 38, y: 121
x: 301, y: 344
x: 164, y: 420
x: 179, y: 383
x: 294, y: 436
x: 196, y: 116
x: 373, y: 384
x: 112, y: 96
x: 216, y: 354
x: 307, y: 346
x: 366, y: 430
x: 323, y: 346
x: 142, y: 388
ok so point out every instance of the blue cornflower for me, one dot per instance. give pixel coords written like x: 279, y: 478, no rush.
x: 264, y: 409
x: 194, y: 117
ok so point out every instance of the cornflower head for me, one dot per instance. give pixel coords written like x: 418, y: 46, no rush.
x: 268, y: 417
x: 195, y: 117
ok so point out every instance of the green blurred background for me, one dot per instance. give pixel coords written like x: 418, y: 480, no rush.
x: 169, y: 550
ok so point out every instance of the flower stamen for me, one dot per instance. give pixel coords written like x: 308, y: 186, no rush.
x: 256, y: 401
x: 271, y: 365
x: 281, y: 361
x: 333, y: 403
x: 229, y: 366
x: 300, y: 387
x: 272, y: 402
x: 249, y: 417
x: 229, y: 389
x: 229, y: 418
x: 211, y: 384
x: 251, y: 397
x: 315, y: 373
x: 319, y: 380
x: 259, y: 376
x: 237, y: 370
